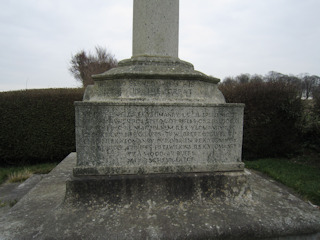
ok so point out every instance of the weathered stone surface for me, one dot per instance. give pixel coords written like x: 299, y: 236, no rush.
x: 267, y: 211
x: 131, y: 138
x: 155, y: 28
x: 154, y: 113
x: 10, y: 193
x: 154, y: 79
x: 157, y: 187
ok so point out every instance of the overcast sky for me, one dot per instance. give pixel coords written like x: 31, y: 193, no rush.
x: 219, y: 37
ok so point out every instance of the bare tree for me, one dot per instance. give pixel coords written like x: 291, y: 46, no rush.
x: 243, y: 78
x: 273, y: 76
x: 84, y: 65
x: 229, y: 80
x: 256, y: 78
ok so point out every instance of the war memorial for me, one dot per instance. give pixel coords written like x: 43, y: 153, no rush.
x: 158, y: 156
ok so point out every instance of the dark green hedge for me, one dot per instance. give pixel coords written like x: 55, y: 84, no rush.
x: 272, y: 113
x: 37, y: 125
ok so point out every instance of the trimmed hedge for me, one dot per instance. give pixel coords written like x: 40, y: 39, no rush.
x: 37, y: 125
x: 272, y: 113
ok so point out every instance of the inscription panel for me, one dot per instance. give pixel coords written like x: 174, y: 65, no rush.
x: 176, y: 89
x: 157, y: 89
x: 132, y: 135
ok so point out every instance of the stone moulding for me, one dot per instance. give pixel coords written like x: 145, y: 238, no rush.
x: 139, y: 170
x: 156, y: 79
x: 113, y: 102
x: 155, y: 68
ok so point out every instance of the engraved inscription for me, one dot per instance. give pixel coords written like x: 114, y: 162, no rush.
x: 159, y: 135
x: 175, y: 88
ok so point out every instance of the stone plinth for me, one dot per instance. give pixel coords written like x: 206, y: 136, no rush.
x: 165, y: 188
x: 132, y: 138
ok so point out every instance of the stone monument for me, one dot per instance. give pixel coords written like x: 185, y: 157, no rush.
x: 154, y: 113
x: 158, y: 157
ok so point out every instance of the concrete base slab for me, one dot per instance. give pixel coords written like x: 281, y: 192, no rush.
x: 11, y: 193
x: 268, y: 211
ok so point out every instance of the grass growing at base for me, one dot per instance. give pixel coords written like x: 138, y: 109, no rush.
x: 2, y: 204
x: 298, y: 175
x: 19, y: 174
x: 11, y: 203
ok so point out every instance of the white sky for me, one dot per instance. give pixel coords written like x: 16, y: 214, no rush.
x: 219, y: 37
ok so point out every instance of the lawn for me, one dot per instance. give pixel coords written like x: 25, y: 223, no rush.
x: 302, y: 175
x: 19, y: 174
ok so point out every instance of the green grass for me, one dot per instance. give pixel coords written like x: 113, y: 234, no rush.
x: 301, y: 176
x: 2, y: 204
x: 11, y: 203
x: 11, y: 173
x: 19, y: 176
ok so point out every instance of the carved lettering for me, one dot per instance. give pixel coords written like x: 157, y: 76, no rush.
x: 161, y: 135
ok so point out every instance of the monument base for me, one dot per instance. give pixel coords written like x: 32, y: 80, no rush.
x: 126, y: 189
x: 267, y: 211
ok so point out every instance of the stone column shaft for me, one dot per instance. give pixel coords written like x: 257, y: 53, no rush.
x: 155, y: 28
